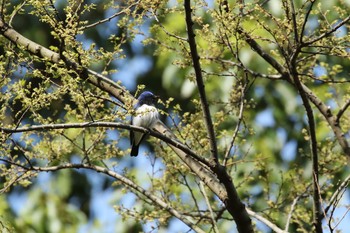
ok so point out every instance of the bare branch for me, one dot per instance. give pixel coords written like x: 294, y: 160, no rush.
x: 267, y: 57
x: 165, y: 30
x: 245, y: 69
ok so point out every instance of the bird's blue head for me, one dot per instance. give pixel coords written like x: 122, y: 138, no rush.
x: 148, y: 98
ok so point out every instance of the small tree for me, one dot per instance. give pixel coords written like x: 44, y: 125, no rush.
x: 255, y: 120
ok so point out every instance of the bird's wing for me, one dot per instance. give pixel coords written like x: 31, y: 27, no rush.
x: 131, y: 135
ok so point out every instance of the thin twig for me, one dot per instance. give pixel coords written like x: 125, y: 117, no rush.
x: 305, y: 20
x: 265, y: 221
x: 15, y: 11
x: 124, y: 11
x: 295, y: 201
x: 341, y: 188
x: 190, y: 190
x: 342, y: 110
x: 295, y: 27
x: 238, y: 125
x: 245, y: 69
x: 327, y: 33
x: 165, y: 30
x: 215, y: 227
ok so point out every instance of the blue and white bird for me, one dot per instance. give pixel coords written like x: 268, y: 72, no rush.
x: 146, y: 114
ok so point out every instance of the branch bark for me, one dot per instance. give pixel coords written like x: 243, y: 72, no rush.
x: 91, y: 76
x: 199, y: 79
x: 317, y: 222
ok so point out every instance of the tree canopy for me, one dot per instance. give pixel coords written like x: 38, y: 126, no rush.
x: 254, y: 127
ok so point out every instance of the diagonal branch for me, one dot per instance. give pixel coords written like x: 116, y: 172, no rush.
x: 259, y: 50
x: 215, y: 227
x: 342, y: 110
x: 327, y: 33
x: 340, y: 190
x: 266, y: 222
x: 200, y: 83
x: 124, y: 11
x: 91, y: 76
x: 129, y: 183
x: 331, y: 119
x: 100, y: 124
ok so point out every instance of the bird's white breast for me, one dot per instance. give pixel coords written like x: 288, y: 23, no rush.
x: 146, y: 116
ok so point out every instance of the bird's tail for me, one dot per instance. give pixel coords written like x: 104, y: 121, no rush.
x: 134, y: 150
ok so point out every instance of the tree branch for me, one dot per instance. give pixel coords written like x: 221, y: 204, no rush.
x: 232, y: 202
x: 200, y: 83
x: 124, y: 11
x: 267, y: 57
x: 314, y: 152
x: 332, y: 121
x: 91, y: 76
x: 305, y: 21
x: 127, y: 182
x: 100, y: 124
x: 295, y: 201
x: 327, y: 33
x: 266, y: 222
x: 238, y: 125
x: 122, y: 95
x: 335, y: 197
x: 342, y: 110
x: 215, y: 227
